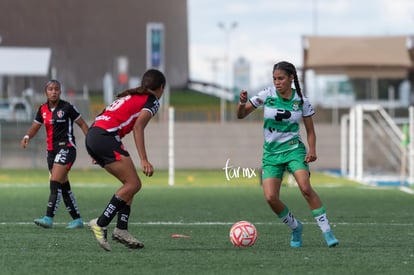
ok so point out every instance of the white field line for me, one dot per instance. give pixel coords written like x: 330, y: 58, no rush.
x: 227, y: 223
x: 406, y: 190
x: 46, y: 185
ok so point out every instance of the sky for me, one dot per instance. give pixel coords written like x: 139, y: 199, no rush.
x: 264, y: 32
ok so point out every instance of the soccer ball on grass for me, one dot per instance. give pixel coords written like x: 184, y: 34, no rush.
x: 243, y: 234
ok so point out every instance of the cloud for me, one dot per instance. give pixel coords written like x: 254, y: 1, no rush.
x: 398, y: 15
x: 268, y: 31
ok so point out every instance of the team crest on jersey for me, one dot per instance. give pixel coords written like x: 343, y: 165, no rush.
x: 60, y: 113
x: 295, y: 106
x: 256, y: 101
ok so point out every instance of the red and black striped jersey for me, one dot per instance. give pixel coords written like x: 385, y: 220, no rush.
x: 58, y: 123
x: 121, y: 114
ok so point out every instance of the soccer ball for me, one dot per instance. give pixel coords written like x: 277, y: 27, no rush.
x: 243, y: 234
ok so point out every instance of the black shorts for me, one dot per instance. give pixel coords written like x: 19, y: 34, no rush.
x: 63, y: 155
x: 104, y: 147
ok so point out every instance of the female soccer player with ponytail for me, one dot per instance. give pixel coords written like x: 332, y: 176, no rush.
x: 284, y: 149
x: 131, y: 111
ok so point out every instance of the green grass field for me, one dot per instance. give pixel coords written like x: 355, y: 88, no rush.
x: 374, y: 226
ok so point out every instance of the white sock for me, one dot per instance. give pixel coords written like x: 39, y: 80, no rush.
x: 290, y: 220
x: 323, y: 223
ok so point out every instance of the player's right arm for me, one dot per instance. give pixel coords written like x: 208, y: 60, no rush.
x: 245, y: 107
x: 30, y: 133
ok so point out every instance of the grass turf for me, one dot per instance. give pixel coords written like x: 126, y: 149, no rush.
x: 374, y: 227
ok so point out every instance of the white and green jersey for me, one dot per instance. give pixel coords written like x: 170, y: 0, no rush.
x: 281, y: 119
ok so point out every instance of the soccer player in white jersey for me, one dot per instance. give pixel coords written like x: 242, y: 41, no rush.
x: 284, y: 149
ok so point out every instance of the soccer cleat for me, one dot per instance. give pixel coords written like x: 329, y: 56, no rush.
x: 76, y: 223
x: 100, y: 234
x: 45, y: 222
x: 330, y: 239
x: 296, y: 239
x: 125, y: 238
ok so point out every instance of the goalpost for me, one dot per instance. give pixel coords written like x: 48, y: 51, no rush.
x: 171, y: 164
x: 371, y: 121
x: 410, y: 145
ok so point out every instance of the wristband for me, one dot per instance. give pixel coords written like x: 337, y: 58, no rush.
x: 242, y: 103
x: 26, y: 137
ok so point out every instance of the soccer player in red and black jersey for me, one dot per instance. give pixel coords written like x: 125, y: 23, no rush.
x: 58, y: 116
x: 131, y: 111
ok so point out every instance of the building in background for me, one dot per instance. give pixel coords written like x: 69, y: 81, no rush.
x: 339, y: 72
x: 87, y: 38
x: 347, y: 70
x: 241, y: 74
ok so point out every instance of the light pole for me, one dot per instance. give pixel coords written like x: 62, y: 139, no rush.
x: 227, y: 29
x: 315, y: 16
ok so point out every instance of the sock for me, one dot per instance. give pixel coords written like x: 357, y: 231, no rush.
x: 54, y: 198
x: 320, y: 217
x: 123, y: 216
x: 287, y: 217
x: 114, y: 205
x: 69, y: 200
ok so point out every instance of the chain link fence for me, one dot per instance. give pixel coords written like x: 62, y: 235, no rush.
x: 12, y: 155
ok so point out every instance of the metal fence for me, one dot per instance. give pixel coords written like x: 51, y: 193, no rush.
x: 11, y: 153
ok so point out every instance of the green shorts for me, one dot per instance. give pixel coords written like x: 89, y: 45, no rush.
x: 274, y: 165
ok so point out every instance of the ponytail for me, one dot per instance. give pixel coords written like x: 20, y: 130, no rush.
x: 151, y: 80
x: 135, y: 91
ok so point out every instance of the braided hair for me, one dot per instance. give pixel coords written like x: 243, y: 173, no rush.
x: 290, y: 70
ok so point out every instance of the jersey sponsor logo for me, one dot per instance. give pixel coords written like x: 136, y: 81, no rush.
x: 282, y: 114
x: 292, y: 142
x: 61, y: 157
x: 272, y: 129
x: 106, y: 118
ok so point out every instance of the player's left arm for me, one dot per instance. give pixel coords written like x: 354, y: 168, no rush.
x: 139, y: 138
x: 311, y: 138
x: 83, y: 125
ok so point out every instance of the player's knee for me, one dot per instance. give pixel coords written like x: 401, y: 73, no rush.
x: 134, y: 187
x: 271, y: 198
x: 308, y: 192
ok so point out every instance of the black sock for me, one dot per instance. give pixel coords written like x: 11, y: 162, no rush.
x: 69, y: 200
x: 111, y: 210
x: 123, y: 216
x: 54, y: 198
